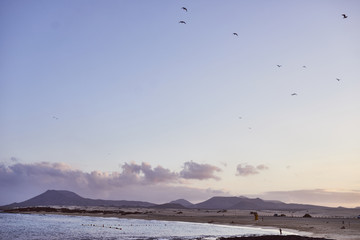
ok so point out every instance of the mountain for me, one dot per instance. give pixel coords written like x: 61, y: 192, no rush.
x: 219, y: 203
x: 243, y: 203
x: 67, y: 198
x: 184, y: 203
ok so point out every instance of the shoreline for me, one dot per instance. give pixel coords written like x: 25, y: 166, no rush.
x: 340, y: 227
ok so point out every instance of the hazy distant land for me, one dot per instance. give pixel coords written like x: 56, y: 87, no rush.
x: 68, y: 198
x: 333, y: 223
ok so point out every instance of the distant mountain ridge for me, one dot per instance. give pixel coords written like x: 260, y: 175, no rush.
x: 243, y: 203
x: 68, y: 198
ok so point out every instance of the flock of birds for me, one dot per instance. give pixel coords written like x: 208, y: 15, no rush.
x: 93, y: 225
x: 237, y: 35
x: 278, y: 65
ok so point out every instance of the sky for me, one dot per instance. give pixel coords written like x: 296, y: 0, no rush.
x: 117, y: 99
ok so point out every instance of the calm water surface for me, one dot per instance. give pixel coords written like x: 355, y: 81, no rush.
x: 36, y: 226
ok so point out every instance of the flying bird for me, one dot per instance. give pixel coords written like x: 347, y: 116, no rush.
x: 278, y: 65
x: 304, y: 66
x: 235, y: 34
x: 184, y: 8
x: 294, y: 94
x: 56, y: 118
x: 338, y: 79
x: 344, y: 15
x: 183, y: 22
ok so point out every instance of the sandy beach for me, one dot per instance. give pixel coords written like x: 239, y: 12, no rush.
x: 339, y: 224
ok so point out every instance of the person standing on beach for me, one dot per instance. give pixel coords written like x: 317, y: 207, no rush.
x: 280, y: 231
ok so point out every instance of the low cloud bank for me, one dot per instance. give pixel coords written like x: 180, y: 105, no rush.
x: 322, y: 197
x: 19, y: 181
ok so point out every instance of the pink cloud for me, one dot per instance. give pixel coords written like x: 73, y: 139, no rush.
x: 193, y: 170
x: 247, y: 170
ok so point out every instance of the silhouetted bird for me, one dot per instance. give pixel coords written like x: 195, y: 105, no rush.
x: 183, y: 22
x: 294, y: 94
x: 278, y: 65
x: 184, y: 8
x: 338, y: 79
x: 344, y: 15
x: 56, y: 118
x: 304, y: 66
x: 235, y: 34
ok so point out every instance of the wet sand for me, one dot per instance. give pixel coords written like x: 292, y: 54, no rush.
x: 338, y: 224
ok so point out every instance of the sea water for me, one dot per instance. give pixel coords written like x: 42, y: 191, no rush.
x: 45, y: 227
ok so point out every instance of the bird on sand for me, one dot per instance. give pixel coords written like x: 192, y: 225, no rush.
x: 294, y: 94
x: 183, y: 22
x: 184, y: 8
x: 344, y: 15
x: 235, y: 34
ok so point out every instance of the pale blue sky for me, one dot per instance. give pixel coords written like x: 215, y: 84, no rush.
x: 97, y: 84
